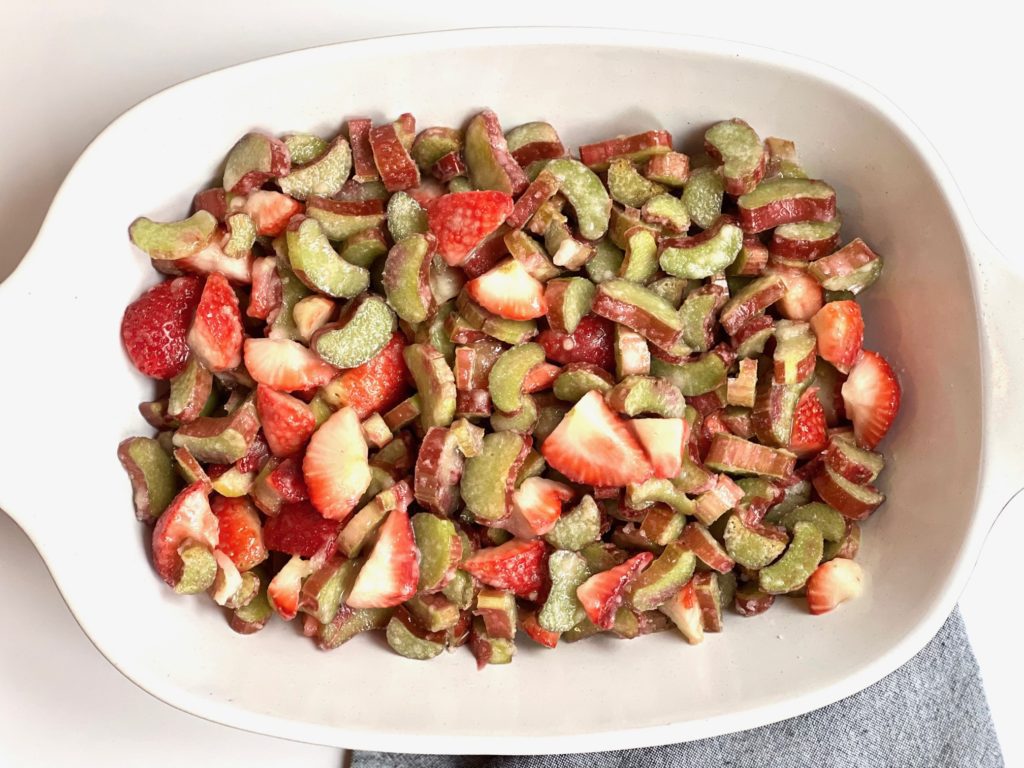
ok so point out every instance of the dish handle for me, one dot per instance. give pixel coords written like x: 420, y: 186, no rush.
x: 1000, y: 294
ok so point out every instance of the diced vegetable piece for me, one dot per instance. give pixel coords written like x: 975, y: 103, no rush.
x: 325, y: 176
x: 834, y: 583
x: 173, y: 240
x: 666, y: 211
x: 805, y: 240
x: 709, y: 597
x: 684, y: 610
x: 750, y: 600
x: 742, y: 389
x: 737, y: 456
x: 694, y: 377
x: 640, y: 262
x: 405, y: 217
x: 220, y: 439
x: 753, y: 545
x: 325, y: 590
x: 255, y: 159
x: 410, y: 640
x: 577, y: 527
x: 318, y: 265
x: 513, y: 332
x: 585, y: 193
x: 831, y: 524
x: 641, y: 495
x: 671, y: 169
x: 698, y: 539
x: 562, y: 609
x: 407, y: 277
x: 852, y: 268
x: 661, y: 525
x: 491, y: 165
x: 395, y: 165
x: 576, y: 379
x: 703, y: 196
x: 627, y: 186
x: 498, y: 610
x: 636, y: 395
x: 606, y: 261
x: 365, y: 327
x: 568, y: 301
x: 506, y: 377
x: 636, y: 148
x: 365, y: 247
x: 853, y: 501
x: 434, y: 143
x: 702, y: 255
x: 342, y: 219
x: 783, y: 201
x: 532, y: 256
x: 723, y: 496
x: 362, y: 154
x: 698, y: 315
x: 487, y: 649
x: 640, y: 310
x: 435, y: 612
x: 751, y: 300
x: 349, y: 622
x: 489, y: 477
x: 253, y: 616
x: 846, y: 547
x: 154, y: 481
x: 663, y: 578
x: 632, y: 355
x: 439, y: 466
x: 846, y: 459
x: 566, y: 250
x: 801, y: 558
x: 782, y: 159
x: 435, y: 383
x: 311, y: 314
x: 293, y: 290
x: 739, y: 148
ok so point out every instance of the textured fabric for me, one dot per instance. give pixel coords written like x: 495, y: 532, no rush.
x: 929, y: 713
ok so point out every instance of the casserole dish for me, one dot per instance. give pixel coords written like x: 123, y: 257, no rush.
x: 944, y: 314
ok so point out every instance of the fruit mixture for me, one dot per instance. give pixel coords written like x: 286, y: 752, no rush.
x: 456, y: 383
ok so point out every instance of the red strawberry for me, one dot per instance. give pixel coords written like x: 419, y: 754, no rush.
x: 335, y: 467
x: 288, y: 423
x: 286, y: 365
x: 509, y: 291
x: 684, y: 610
x: 460, y: 221
x: 516, y: 565
x: 591, y: 342
x: 282, y: 484
x: 537, y: 633
x: 540, y: 377
x: 216, y: 334
x: 269, y: 211
x: 378, y: 385
x: 188, y: 517
x: 804, y: 295
x: 265, y: 295
x: 840, y: 331
x: 871, y: 398
x: 602, y: 594
x: 286, y: 586
x: 255, y: 456
x: 536, y: 507
x: 593, y: 445
x: 241, y: 533
x: 833, y: 583
x: 155, y: 326
x: 298, y: 529
x: 390, y: 574
x: 664, y: 441
x: 810, y: 432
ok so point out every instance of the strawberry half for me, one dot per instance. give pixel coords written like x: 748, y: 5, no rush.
x: 187, y: 517
x: 591, y: 342
x: 379, y: 384
x: 288, y: 423
x: 155, y: 326
x: 833, y: 583
x: 284, y: 589
x: 594, y: 446
x: 285, y: 365
x: 810, y: 432
x: 602, y: 594
x: 684, y: 610
x: 270, y: 211
x: 389, y: 576
x: 335, y: 467
x: 241, y: 533
x: 460, y: 221
x: 803, y: 295
x: 509, y: 291
x: 536, y: 507
x: 839, y: 327
x: 298, y: 529
x: 516, y: 565
x: 871, y: 398
x: 664, y: 441
x: 216, y: 333
x: 537, y: 633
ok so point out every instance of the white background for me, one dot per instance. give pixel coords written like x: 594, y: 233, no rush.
x: 68, y: 67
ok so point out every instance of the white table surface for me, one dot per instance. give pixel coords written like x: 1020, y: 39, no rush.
x: 67, y: 67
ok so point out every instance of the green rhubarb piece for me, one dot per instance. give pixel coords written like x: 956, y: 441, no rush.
x: 756, y: 488
x: 247, y: 591
x: 293, y: 291
x: 304, y: 148
x: 698, y: 315
x: 576, y: 380
x: 663, y: 578
x: 522, y: 420
x: 460, y: 590
x: 187, y: 466
x: 641, y: 260
x: 531, y: 255
x: 368, y: 326
x: 531, y: 133
x: 460, y: 184
x: 341, y: 220
x: 621, y: 220
x: 569, y: 299
x: 705, y: 374
x: 668, y: 211
x: 486, y: 170
x: 487, y: 480
x: 506, y: 378
x: 602, y: 556
x: 741, y: 151
x: 321, y: 410
x: 233, y: 483
x: 585, y: 193
x: 661, y: 525
x: 606, y: 261
x: 190, y: 391
x: 405, y: 217
x: 361, y: 526
x: 852, y: 282
x: 754, y: 344
x: 497, y: 607
x: 221, y: 439
x: 831, y: 524
x: 795, y: 345
x: 349, y: 622
x: 809, y: 230
x: 468, y: 437
x: 325, y: 176
x: 242, y: 235
x: 566, y: 251
x: 405, y: 642
x: 772, y: 190
x: 691, y: 477
x: 364, y: 248
x: 750, y: 548
x: 154, y: 479
x: 839, y: 296
x: 434, y: 143
x: 533, y: 466
x: 435, y: 383
x: 703, y: 195
x: 641, y: 495
x: 632, y: 355
x: 581, y: 631
x: 792, y: 570
x: 319, y: 266
x: 627, y: 186
x: 576, y: 528
x: 548, y: 419
x: 435, y: 613
x: 774, y: 411
x: 562, y: 609
x: 433, y: 332
x: 324, y: 592
x: 626, y: 624
x: 637, y: 395
x: 488, y: 649
x: 796, y: 495
x: 706, y: 257
x: 439, y: 555
x: 173, y: 240
x: 671, y: 289
x: 198, y: 569
x: 640, y: 310
x: 254, y: 153
x: 256, y: 611
x: 407, y: 277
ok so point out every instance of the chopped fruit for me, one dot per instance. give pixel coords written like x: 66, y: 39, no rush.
x: 255, y: 159
x: 176, y: 240
x: 803, y: 295
x: 536, y: 507
x: 391, y: 572
x: 592, y: 342
x: 490, y: 164
x: 871, y: 398
x: 188, y: 518
x: 735, y: 144
x: 685, y: 611
x: 809, y: 428
x: 155, y: 327
x: 516, y: 565
x: 335, y: 467
x: 509, y: 291
x: 285, y: 365
x: 593, y: 445
x: 266, y: 294
x: 638, y: 147
x: 783, y: 201
x: 833, y: 583
x: 664, y: 441
x: 439, y: 468
x: 839, y: 328
x: 603, y: 593
x: 537, y: 633
x: 269, y: 211
x: 285, y: 588
x: 377, y: 385
x: 216, y: 333
x: 461, y: 221
x: 241, y: 533
x: 154, y: 481
x: 298, y: 529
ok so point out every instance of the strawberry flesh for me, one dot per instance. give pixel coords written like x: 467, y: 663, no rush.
x: 188, y: 517
x: 379, y: 384
x: 285, y: 365
x: 390, y: 574
x: 602, y: 594
x: 509, y: 291
x: 241, y: 533
x: 592, y: 342
x: 460, y: 221
x: 871, y: 398
x: 336, y: 468
x: 517, y: 565
x: 154, y: 328
x: 833, y: 583
x: 810, y: 432
x: 216, y: 334
x: 300, y: 530
x: 288, y: 423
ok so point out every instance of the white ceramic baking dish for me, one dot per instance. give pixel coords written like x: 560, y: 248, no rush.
x: 946, y: 312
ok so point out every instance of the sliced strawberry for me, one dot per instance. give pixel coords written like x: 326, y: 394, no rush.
x: 228, y: 579
x: 833, y: 583
x: 593, y: 445
x: 285, y: 588
x: 509, y: 291
x: 390, y: 574
x: 298, y: 529
x: 664, y: 441
x: 187, y: 517
x: 460, y: 221
x: 256, y: 455
x: 840, y: 331
x: 871, y: 398
x: 154, y: 328
x: 516, y: 565
x: 216, y: 333
x: 810, y: 432
x: 269, y: 211
x: 282, y: 484
x: 288, y: 423
x: 540, y: 377
x: 241, y: 533
x: 536, y: 507
x: 684, y: 610
x: 285, y: 365
x: 593, y: 342
x: 266, y: 292
x: 336, y: 468
x: 378, y: 385
x: 803, y: 294
x: 537, y: 633
x: 602, y: 594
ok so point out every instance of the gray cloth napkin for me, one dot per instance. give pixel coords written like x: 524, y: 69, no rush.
x: 930, y: 712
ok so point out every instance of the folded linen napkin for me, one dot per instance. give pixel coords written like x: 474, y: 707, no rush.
x: 930, y: 712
